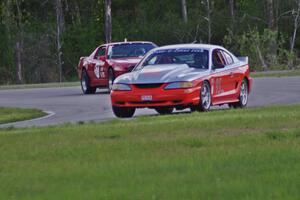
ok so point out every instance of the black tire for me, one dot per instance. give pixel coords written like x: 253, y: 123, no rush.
x: 85, y: 84
x: 205, y: 98
x: 123, y: 112
x: 164, y: 110
x: 193, y: 108
x: 243, y: 96
x: 111, y: 78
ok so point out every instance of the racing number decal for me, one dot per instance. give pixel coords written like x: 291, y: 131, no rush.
x: 102, y: 74
x: 218, y: 86
x: 97, y: 70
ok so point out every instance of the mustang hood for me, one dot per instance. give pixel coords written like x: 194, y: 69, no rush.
x: 162, y: 74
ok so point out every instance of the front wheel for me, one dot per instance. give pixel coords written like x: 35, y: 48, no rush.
x: 205, y: 98
x: 243, y: 97
x: 85, y: 84
x: 123, y: 112
x: 164, y: 110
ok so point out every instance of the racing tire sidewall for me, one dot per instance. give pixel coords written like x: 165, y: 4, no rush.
x: 85, y: 84
x: 123, y: 112
x: 111, y: 78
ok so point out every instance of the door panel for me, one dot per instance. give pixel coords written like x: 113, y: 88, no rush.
x: 231, y: 84
x: 99, y: 68
x: 95, y: 65
x: 221, y: 85
x: 231, y: 78
x: 221, y: 78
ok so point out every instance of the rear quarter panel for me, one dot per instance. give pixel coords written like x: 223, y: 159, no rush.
x: 80, y: 66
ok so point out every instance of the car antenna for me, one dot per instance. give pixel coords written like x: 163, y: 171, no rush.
x: 194, y: 42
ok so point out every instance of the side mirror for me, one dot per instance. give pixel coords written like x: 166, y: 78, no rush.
x: 218, y: 66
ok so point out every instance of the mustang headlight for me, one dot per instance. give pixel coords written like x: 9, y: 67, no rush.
x: 179, y: 85
x: 121, y: 87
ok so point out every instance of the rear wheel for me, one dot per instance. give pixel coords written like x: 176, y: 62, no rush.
x: 111, y: 78
x: 164, y: 110
x: 243, y: 97
x: 123, y: 112
x: 85, y: 84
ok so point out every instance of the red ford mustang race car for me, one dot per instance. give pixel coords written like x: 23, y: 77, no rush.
x: 107, y: 62
x: 194, y: 76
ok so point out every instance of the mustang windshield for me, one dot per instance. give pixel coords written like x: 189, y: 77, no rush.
x: 129, y: 50
x: 197, y: 58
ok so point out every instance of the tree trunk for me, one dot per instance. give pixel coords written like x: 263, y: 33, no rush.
x: 184, y: 11
x: 276, y: 14
x: 107, y: 28
x: 261, y: 58
x: 18, y: 51
x: 270, y: 14
x: 232, y: 14
x: 272, y: 25
x: 78, y: 16
x: 296, y: 25
x: 59, y: 30
x: 208, y: 7
x: 19, y: 44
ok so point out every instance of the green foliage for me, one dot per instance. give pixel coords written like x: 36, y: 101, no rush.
x: 256, y: 45
x: 6, y: 56
x: 152, y: 20
x: 79, y: 41
x: 1, y: 11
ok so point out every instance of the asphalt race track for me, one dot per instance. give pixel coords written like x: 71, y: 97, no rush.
x: 68, y: 104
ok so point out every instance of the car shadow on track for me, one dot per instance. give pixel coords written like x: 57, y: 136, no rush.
x: 102, y: 92
x: 185, y: 111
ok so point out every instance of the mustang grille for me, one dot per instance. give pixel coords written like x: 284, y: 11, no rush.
x: 151, y: 85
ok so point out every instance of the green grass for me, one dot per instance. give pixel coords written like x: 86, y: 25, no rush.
x: 276, y: 74
x: 231, y: 154
x: 40, y: 85
x: 77, y: 83
x: 8, y: 115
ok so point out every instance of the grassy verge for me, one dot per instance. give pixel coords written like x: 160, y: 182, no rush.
x: 40, y: 85
x: 8, y: 115
x: 231, y: 154
x: 275, y: 74
x: 72, y: 84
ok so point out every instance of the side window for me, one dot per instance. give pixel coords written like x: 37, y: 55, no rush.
x: 229, y: 60
x: 152, y: 61
x: 218, y: 58
x: 101, y: 52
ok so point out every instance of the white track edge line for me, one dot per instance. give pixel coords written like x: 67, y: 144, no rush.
x: 49, y: 114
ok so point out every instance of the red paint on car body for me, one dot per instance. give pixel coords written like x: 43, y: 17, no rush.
x: 100, y: 60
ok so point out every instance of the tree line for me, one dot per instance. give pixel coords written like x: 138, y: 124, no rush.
x: 42, y: 40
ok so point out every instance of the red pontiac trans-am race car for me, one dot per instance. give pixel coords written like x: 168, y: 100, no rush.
x: 107, y: 62
x: 194, y: 76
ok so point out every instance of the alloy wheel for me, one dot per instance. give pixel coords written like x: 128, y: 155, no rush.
x: 244, y: 93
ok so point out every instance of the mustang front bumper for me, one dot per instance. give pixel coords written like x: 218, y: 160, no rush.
x: 155, y: 97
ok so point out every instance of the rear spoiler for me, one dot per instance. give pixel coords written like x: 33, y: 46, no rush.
x: 244, y: 59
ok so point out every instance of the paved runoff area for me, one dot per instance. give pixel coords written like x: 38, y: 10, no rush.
x: 68, y: 104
